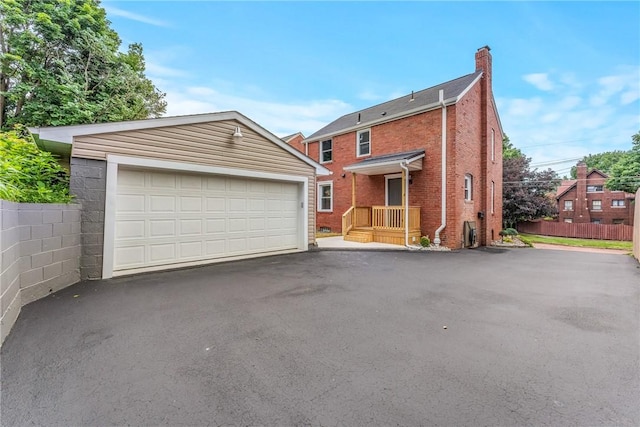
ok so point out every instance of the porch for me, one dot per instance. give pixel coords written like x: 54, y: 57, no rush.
x: 382, y: 224
x: 394, y: 221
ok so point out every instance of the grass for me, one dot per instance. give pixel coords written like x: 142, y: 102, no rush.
x: 583, y: 243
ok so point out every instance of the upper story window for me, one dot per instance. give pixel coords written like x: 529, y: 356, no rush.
x: 493, y: 145
x: 594, y: 188
x: 326, y: 151
x: 325, y: 196
x: 568, y: 205
x: 596, y: 205
x: 468, y: 187
x: 364, y: 143
x: 617, y: 203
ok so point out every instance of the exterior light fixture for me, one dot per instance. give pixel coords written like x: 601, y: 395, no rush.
x: 237, y: 135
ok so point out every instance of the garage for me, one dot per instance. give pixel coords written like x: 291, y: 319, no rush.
x: 180, y: 191
x: 165, y: 218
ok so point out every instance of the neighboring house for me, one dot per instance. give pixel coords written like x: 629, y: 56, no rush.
x: 438, y: 151
x: 295, y: 140
x: 586, y: 199
x: 181, y: 191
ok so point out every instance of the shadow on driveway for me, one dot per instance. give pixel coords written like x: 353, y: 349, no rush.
x: 533, y: 337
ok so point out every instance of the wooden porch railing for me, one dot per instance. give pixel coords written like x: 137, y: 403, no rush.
x: 392, y: 217
x: 354, y: 217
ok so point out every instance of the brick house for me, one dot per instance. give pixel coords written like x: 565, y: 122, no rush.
x: 437, y: 151
x: 295, y: 141
x: 586, y: 199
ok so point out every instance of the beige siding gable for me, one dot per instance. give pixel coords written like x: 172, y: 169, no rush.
x: 204, y: 143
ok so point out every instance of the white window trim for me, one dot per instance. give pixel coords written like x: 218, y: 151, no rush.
x: 468, y: 178
x: 593, y: 208
x: 564, y: 207
x: 320, y: 156
x: 623, y: 205
x: 358, y: 154
x: 319, y: 196
x: 493, y: 197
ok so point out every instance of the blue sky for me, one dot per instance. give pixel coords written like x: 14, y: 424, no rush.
x: 566, y: 75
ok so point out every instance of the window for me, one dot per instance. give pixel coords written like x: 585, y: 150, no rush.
x: 594, y: 188
x: 568, y: 220
x: 568, y: 205
x: 617, y: 203
x: 468, y: 187
x: 325, y: 196
x: 493, y: 145
x: 364, y: 143
x: 596, y: 205
x: 596, y: 221
x: 493, y: 197
x: 618, y: 221
x: 326, y: 151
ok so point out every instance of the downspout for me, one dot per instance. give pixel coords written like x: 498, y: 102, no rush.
x: 404, y: 167
x: 306, y: 149
x: 443, y: 216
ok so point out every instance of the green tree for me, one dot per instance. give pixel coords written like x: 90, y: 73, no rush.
x: 527, y: 194
x: 509, y: 151
x: 28, y: 174
x: 625, y: 175
x: 60, y: 64
x: 602, y: 161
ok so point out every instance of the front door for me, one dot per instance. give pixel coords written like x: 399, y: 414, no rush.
x: 394, y: 192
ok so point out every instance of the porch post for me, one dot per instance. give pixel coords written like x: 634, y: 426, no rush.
x: 353, y: 189
x: 404, y: 194
x: 404, y: 186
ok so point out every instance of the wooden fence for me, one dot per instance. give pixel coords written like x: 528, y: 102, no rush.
x: 581, y: 231
x: 636, y: 228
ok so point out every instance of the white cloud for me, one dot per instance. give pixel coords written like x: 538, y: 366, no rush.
x: 281, y: 118
x: 539, y: 80
x: 114, y: 11
x: 577, y: 119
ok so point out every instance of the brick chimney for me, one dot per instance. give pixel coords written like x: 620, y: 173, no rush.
x: 483, y: 63
x: 582, y: 207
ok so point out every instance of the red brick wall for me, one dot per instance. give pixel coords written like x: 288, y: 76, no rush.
x: 296, y: 142
x: 469, y: 124
x: 583, y: 206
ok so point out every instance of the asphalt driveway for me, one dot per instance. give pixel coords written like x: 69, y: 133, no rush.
x: 533, y: 337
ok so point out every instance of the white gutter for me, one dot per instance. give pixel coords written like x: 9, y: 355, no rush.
x: 404, y: 167
x: 443, y: 216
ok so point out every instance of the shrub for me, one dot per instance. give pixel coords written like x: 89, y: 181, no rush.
x: 29, y: 175
x: 425, y: 241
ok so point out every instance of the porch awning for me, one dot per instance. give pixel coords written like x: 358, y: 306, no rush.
x: 388, y: 163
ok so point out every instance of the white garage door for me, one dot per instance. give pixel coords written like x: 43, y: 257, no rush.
x: 167, y: 218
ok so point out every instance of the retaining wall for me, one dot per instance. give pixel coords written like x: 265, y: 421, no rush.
x: 40, y: 254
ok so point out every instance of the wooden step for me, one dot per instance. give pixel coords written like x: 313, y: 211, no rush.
x: 360, y: 236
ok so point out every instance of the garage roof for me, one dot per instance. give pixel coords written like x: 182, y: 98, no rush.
x: 65, y: 134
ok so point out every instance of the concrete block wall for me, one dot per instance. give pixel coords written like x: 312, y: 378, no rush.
x: 89, y: 186
x: 40, y: 254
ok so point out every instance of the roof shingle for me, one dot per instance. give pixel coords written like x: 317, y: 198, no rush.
x: 421, y: 99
